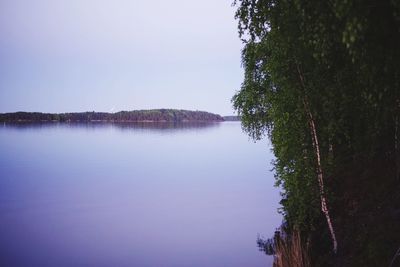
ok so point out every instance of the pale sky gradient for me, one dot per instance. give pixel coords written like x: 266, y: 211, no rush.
x: 84, y: 55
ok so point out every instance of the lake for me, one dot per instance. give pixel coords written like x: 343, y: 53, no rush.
x: 138, y: 194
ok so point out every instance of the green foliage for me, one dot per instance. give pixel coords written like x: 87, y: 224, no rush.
x: 342, y: 58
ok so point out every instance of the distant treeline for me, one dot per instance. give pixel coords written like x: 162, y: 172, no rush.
x: 156, y: 115
x: 231, y: 118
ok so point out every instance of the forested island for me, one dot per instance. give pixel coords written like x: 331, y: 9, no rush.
x: 153, y: 115
x: 322, y: 81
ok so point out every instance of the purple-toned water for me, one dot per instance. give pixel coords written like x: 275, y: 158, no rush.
x: 156, y: 195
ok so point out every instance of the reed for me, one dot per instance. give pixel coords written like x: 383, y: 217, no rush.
x: 290, y: 251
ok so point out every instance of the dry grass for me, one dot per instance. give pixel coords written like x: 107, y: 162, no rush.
x: 290, y: 252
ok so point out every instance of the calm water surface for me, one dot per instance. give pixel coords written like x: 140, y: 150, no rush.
x: 156, y: 195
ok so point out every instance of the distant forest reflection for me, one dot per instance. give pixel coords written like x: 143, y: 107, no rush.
x: 145, y: 126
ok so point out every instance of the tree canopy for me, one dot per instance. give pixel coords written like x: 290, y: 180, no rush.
x: 330, y: 67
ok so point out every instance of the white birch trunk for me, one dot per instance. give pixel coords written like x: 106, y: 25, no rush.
x: 324, y: 206
x: 315, y: 142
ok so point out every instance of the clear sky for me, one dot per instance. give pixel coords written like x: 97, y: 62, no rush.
x: 84, y: 55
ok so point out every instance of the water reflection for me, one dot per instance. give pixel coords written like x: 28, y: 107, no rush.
x: 134, y: 126
x: 146, y: 195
